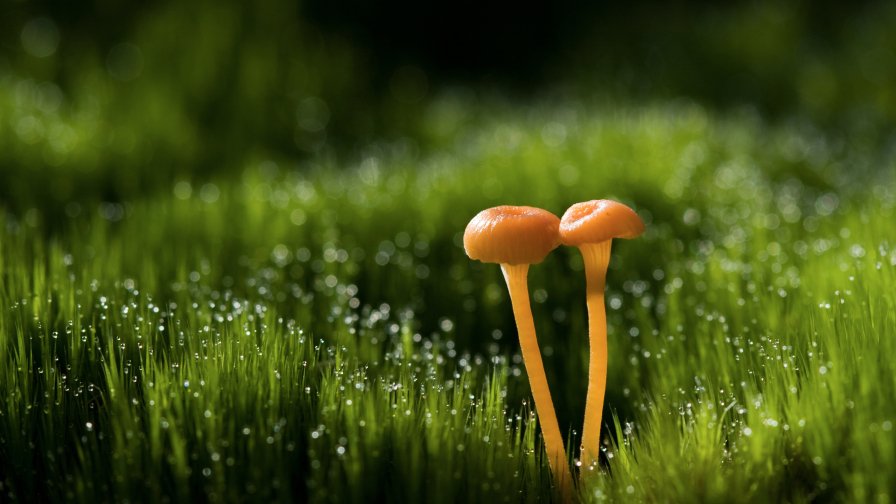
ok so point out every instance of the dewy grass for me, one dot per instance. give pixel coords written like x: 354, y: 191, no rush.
x: 284, y: 336
x: 207, y: 389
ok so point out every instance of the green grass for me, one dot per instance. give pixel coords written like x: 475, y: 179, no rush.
x: 319, y: 334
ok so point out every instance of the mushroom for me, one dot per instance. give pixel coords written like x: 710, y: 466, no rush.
x: 591, y: 226
x: 515, y: 237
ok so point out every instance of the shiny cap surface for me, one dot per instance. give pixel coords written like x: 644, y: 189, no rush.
x: 512, y: 235
x: 597, y: 221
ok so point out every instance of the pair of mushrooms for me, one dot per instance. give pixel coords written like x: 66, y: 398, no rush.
x: 517, y: 236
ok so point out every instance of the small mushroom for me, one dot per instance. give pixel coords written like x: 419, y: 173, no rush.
x: 515, y: 237
x: 591, y: 226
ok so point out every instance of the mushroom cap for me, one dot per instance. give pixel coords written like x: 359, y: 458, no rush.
x: 512, y: 235
x: 597, y: 221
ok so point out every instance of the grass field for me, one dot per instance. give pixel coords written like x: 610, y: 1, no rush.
x: 319, y: 334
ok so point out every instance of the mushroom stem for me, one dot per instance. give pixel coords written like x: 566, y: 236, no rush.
x: 597, y: 259
x: 516, y: 278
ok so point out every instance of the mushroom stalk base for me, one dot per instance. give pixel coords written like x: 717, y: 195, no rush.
x: 516, y: 278
x: 597, y: 259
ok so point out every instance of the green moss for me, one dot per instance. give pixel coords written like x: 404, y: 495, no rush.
x: 320, y: 335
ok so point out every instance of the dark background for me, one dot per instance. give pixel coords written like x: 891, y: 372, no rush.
x: 124, y: 98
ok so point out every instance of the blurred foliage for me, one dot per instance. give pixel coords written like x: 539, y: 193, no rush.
x: 110, y: 101
x: 196, y: 85
x: 182, y: 88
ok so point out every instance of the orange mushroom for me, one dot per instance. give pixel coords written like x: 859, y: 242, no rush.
x: 591, y: 226
x: 515, y: 237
